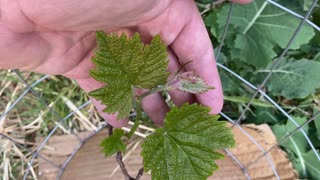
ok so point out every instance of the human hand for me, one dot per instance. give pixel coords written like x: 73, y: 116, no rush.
x: 57, y: 37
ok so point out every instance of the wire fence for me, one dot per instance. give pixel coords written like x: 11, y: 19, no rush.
x: 30, y: 88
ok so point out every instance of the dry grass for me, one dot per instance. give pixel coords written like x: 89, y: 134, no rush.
x: 30, y: 118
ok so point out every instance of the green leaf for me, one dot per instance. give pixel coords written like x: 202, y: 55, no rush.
x: 295, y: 79
x: 317, y: 57
x: 244, y: 100
x: 306, y: 4
x: 262, y: 115
x: 113, y: 143
x: 317, y: 120
x: 185, y: 147
x: 295, y: 143
x: 260, y: 27
x: 228, y: 83
x: 124, y: 64
x: 312, y: 164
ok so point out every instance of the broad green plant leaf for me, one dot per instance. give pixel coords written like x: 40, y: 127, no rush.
x: 306, y: 4
x: 113, y: 143
x: 295, y: 79
x: 312, y: 164
x: 263, y: 115
x: 124, y: 64
x: 296, y: 143
x: 317, y: 121
x: 260, y: 27
x: 244, y: 100
x: 185, y: 147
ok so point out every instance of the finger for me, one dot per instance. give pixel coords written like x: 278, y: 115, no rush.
x: 89, y: 84
x: 178, y: 97
x: 241, y: 1
x: 193, y: 44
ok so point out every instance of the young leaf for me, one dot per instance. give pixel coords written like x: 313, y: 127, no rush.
x: 113, y: 143
x: 124, y: 64
x: 260, y: 27
x: 185, y: 147
x: 295, y: 79
x: 189, y: 82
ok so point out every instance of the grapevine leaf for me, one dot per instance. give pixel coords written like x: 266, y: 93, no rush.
x: 113, y: 143
x: 185, y: 147
x: 124, y: 64
x: 295, y: 79
x: 260, y: 27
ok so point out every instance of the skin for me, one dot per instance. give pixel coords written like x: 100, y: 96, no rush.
x: 57, y: 37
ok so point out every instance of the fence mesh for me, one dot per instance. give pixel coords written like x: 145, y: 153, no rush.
x: 31, y: 88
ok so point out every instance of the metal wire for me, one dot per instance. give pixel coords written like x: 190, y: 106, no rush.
x: 256, y: 143
x: 257, y: 90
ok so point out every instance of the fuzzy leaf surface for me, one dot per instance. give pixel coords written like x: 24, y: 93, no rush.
x: 185, y: 147
x: 189, y: 82
x: 259, y: 28
x: 124, y: 64
x: 295, y: 79
x: 113, y: 143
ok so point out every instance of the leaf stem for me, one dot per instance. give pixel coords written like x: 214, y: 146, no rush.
x: 137, y: 119
x: 154, y: 90
x: 254, y: 19
x: 139, y: 108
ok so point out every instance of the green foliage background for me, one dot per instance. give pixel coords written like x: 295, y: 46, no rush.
x: 258, y: 33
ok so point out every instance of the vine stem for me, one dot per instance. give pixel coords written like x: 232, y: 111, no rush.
x: 140, y: 173
x: 119, y: 159
x: 139, y: 108
x: 123, y: 167
x: 154, y: 90
x: 137, y: 119
x: 135, y: 126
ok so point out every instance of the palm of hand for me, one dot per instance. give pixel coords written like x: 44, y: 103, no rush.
x: 69, y: 53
